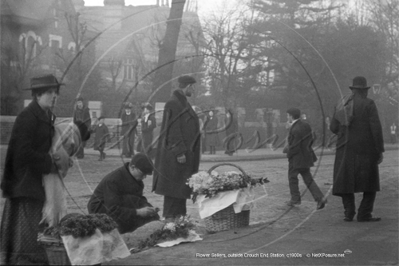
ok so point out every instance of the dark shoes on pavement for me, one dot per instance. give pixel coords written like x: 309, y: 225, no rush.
x: 370, y: 219
x: 321, y: 204
x: 292, y: 203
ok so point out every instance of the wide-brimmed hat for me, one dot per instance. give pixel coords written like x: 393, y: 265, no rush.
x: 186, y: 79
x: 359, y: 82
x: 44, y: 82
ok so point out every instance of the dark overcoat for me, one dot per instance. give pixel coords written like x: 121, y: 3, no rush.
x: 211, y: 134
x: 28, y: 157
x: 147, y: 130
x: 300, y: 139
x: 119, y: 195
x: 129, y: 124
x: 82, y: 115
x: 179, y: 135
x: 101, y: 137
x: 358, y: 148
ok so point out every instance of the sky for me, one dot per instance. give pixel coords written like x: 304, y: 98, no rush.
x: 204, y: 6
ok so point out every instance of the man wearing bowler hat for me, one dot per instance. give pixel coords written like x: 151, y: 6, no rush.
x: 120, y: 195
x: 359, y: 151
x: 178, y: 151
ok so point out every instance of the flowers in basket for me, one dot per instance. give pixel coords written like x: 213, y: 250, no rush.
x: 79, y: 225
x: 179, y: 228
x: 209, y: 184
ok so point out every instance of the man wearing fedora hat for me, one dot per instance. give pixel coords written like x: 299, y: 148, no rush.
x: 359, y: 151
x: 28, y: 159
x: 178, y: 150
x: 120, y: 195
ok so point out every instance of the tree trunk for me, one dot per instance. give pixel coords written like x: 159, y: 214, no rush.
x: 162, y: 87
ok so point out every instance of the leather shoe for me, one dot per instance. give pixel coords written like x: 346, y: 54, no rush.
x: 321, y: 204
x: 292, y: 203
x: 348, y: 219
x: 371, y: 219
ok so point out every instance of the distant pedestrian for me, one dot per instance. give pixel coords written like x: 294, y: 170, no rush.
x: 393, y: 133
x: 231, y: 132
x: 101, y: 137
x: 148, y: 124
x: 359, y: 151
x: 211, y: 134
x: 81, y: 115
x: 300, y: 158
x: 178, y: 150
x: 128, y: 131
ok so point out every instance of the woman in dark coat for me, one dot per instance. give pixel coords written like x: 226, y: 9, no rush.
x: 358, y: 152
x: 27, y: 160
x: 81, y: 115
x: 211, y: 134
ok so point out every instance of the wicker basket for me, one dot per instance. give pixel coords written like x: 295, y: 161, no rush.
x: 56, y: 253
x: 226, y: 219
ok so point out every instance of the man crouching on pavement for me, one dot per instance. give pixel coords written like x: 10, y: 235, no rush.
x: 120, y: 195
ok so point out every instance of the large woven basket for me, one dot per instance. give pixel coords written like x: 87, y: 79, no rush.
x: 56, y: 253
x: 226, y: 219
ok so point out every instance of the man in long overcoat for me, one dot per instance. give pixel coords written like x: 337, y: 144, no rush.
x: 128, y: 130
x: 81, y: 115
x: 300, y: 158
x: 178, y: 150
x: 360, y: 148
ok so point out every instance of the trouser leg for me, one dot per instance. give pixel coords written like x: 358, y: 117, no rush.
x: 348, y: 200
x: 366, y: 206
x: 293, y: 184
x: 311, y: 184
x: 174, y: 207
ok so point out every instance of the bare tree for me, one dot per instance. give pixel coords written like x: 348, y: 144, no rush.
x: 167, y: 52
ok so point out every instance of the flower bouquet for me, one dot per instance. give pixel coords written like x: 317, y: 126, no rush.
x: 172, y: 233
x: 86, y: 239
x: 225, y: 198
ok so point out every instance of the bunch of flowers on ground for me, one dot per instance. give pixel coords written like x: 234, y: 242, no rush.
x: 79, y: 225
x: 209, y: 184
x: 179, y: 228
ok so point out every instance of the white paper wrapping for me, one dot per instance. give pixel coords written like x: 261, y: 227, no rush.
x: 242, y: 199
x: 95, y: 249
x: 192, y: 237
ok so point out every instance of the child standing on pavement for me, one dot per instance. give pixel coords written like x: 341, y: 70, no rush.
x: 101, y: 138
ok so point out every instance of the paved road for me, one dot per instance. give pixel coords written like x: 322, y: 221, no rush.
x: 279, y: 235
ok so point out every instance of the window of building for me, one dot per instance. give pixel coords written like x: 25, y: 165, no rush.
x: 128, y: 72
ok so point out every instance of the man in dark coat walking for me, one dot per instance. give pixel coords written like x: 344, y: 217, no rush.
x: 300, y: 158
x: 178, y: 150
x: 359, y: 150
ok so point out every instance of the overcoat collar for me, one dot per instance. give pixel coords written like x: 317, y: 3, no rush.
x: 40, y: 113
